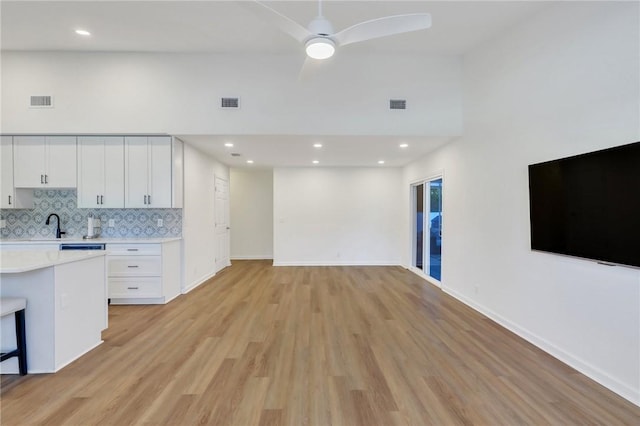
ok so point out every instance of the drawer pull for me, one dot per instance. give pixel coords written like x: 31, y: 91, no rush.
x: 132, y: 288
x: 132, y: 266
x: 132, y: 249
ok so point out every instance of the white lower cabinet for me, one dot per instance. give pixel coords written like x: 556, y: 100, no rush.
x: 143, y: 273
x: 134, y: 288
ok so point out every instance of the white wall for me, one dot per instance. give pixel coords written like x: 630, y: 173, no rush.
x: 180, y: 94
x: 251, y: 214
x: 198, y: 218
x: 563, y: 83
x: 336, y: 216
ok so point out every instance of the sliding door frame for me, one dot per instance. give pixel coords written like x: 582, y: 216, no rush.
x: 425, y: 181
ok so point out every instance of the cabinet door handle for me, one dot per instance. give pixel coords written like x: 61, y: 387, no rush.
x: 149, y: 199
x: 132, y: 266
x: 46, y: 178
x: 9, y: 199
x: 41, y: 178
x: 97, y: 199
x: 145, y: 199
x: 102, y: 199
x: 132, y: 288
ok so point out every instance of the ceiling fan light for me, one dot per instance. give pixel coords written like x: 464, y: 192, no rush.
x: 320, y: 48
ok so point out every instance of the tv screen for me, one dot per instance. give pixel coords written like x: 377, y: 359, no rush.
x: 588, y: 205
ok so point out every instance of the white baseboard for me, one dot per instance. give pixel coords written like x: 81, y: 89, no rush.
x: 337, y: 263
x: 571, y: 360
x: 197, y: 282
x: 10, y: 366
x: 421, y: 274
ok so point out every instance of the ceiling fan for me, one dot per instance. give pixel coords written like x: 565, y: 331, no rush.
x: 321, y: 41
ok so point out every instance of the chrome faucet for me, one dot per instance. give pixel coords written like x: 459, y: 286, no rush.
x: 58, y: 231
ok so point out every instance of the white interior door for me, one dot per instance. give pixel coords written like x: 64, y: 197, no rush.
x: 222, y: 223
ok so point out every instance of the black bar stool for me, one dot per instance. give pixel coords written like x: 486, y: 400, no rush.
x: 16, y: 305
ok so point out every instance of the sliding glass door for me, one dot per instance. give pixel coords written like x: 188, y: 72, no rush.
x: 427, y: 227
x: 435, y: 229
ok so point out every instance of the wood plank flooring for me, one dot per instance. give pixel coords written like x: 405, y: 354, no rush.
x: 259, y: 345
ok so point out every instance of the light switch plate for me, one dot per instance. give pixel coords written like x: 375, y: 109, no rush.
x: 112, y: 223
x: 3, y: 223
x: 160, y: 223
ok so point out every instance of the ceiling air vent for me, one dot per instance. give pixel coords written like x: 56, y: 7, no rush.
x: 41, y: 102
x: 230, y: 103
x: 235, y: 154
x: 398, y: 104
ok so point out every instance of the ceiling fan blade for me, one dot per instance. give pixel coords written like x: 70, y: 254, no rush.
x: 312, y: 69
x: 286, y: 24
x: 305, y: 70
x: 383, y: 27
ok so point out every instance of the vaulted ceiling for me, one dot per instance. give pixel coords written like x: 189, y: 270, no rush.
x: 234, y: 27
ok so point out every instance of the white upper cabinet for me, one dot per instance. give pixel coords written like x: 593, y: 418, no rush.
x: 9, y: 197
x: 44, y: 161
x: 6, y: 173
x: 100, y: 172
x: 148, y: 172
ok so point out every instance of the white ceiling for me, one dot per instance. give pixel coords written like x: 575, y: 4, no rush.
x: 234, y: 27
x: 298, y: 151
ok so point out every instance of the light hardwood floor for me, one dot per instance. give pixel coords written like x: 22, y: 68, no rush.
x: 311, y: 345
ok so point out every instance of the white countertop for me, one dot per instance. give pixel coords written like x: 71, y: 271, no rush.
x: 90, y: 241
x: 13, y: 262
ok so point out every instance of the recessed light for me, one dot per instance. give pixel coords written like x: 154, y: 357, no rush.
x: 228, y: 144
x: 404, y: 145
x: 317, y: 145
x: 250, y: 161
x: 83, y: 32
x: 315, y: 162
x: 381, y: 162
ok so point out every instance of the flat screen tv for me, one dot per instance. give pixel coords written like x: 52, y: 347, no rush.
x: 588, y: 205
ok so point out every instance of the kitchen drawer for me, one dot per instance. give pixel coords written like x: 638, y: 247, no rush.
x: 135, y: 287
x: 135, y: 249
x: 133, y: 266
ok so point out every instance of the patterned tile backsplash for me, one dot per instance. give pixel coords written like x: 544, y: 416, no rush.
x: 129, y: 223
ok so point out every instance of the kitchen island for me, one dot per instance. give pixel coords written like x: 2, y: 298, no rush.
x: 66, y: 305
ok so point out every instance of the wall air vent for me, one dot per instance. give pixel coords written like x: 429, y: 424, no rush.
x: 235, y: 154
x: 230, y: 103
x: 397, y: 104
x: 41, y: 102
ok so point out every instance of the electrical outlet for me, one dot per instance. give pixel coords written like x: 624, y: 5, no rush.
x: 3, y: 223
x: 112, y: 223
x: 160, y: 223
